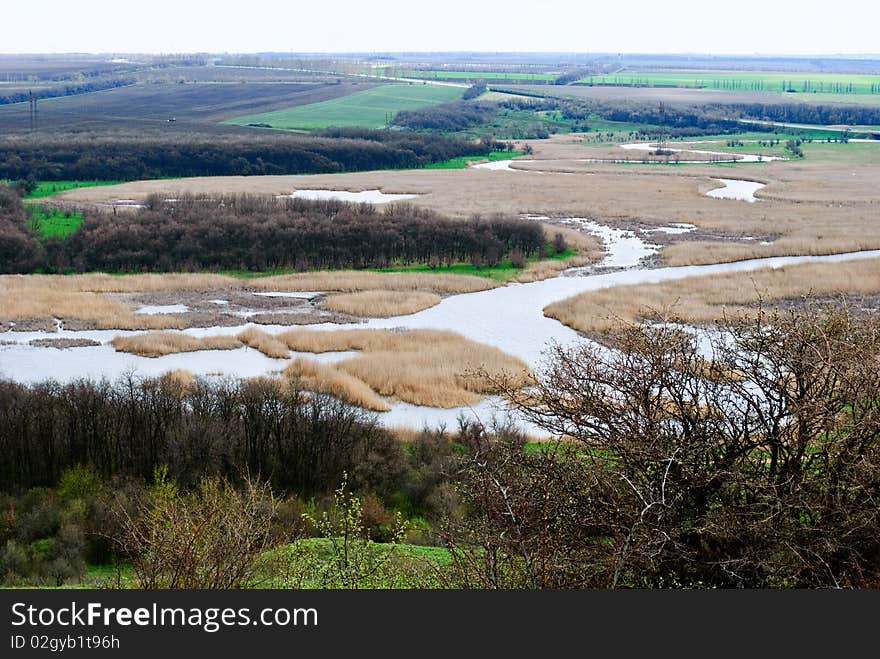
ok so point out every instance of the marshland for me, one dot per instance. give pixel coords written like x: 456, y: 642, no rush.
x: 507, y: 279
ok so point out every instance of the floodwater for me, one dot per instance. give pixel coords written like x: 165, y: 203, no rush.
x: 736, y: 189
x: 502, y: 166
x: 510, y: 318
x: 362, y: 197
x: 152, y: 309
x: 722, y: 156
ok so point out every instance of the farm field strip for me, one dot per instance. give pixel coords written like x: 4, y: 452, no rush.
x: 477, y: 75
x: 372, y: 108
x: 746, y: 81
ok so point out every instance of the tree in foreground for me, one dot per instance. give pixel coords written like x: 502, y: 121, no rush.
x: 752, y: 462
x: 210, y: 537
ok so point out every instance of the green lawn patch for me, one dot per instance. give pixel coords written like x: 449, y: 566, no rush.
x: 372, y: 108
x: 52, y: 222
x: 762, y: 81
x: 463, y: 161
x: 49, y: 188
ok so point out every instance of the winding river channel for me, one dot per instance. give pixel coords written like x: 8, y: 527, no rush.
x: 510, y: 318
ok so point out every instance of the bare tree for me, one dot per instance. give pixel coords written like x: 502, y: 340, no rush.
x: 208, y: 538
x: 756, y: 465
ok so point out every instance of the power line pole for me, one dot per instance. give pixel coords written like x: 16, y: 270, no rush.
x: 32, y: 110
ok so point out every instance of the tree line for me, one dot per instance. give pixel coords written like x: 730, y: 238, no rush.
x: 298, y: 442
x: 447, y: 117
x: 71, y: 89
x: 20, y: 249
x: 128, y: 156
x: 260, y: 233
x: 805, y: 113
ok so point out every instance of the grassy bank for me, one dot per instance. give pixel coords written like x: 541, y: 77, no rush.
x: 49, y: 188
x: 463, y: 162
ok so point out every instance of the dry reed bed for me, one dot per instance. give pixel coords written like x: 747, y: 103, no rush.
x: 707, y: 298
x: 266, y: 343
x: 381, y: 304
x: 159, y: 344
x: 81, y: 297
x: 352, y: 281
x: 423, y: 367
x: 323, y: 378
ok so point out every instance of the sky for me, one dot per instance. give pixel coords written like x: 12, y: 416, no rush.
x: 805, y: 27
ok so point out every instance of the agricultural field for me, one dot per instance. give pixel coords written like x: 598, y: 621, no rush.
x: 479, y: 75
x: 371, y: 108
x: 678, y: 96
x: 152, y: 105
x: 822, y: 83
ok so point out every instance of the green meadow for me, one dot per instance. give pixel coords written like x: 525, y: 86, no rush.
x: 476, y: 75
x: 371, y: 108
x: 49, y: 188
x: 820, y: 83
x: 52, y: 222
x: 463, y: 161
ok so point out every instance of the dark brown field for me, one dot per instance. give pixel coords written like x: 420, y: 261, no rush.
x: 152, y: 105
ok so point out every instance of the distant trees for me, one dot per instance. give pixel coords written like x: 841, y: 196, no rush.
x: 258, y: 233
x: 808, y: 113
x: 70, y: 89
x: 447, y: 117
x: 573, y: 76
x: 127, y: 156
x: 794, y: 147
x: 20, y: 249
x: 475, y: 90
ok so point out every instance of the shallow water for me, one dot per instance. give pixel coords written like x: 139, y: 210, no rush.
x: 502, y: 166
x: 722, y: 155
x: 736, y: 189
x: 362, y: 197
x: 510, y: 318
x: 303, y: 295
x: 153, y: 309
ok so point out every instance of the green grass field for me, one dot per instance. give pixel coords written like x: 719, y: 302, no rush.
x: 49, y: 188
x: 53, y: 222
x: 372, y: 108
x: 476, y: 75
x: 821, y: 83
x: 462, y: 161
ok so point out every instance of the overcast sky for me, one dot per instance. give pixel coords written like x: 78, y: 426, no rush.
x: 625, y: 26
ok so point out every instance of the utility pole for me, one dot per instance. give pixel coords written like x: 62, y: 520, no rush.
x: 32, y: 110
x: 662, y: 111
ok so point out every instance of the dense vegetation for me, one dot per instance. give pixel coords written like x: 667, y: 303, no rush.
x: 127, y: 156
x: 447, y: 117
x: 259, y: 233
x: 300, y: 443
x: 759, y: 469
x: 677, y: 122
x: 805, y: 113
x: 70, y: 89
x: 20, y: 250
